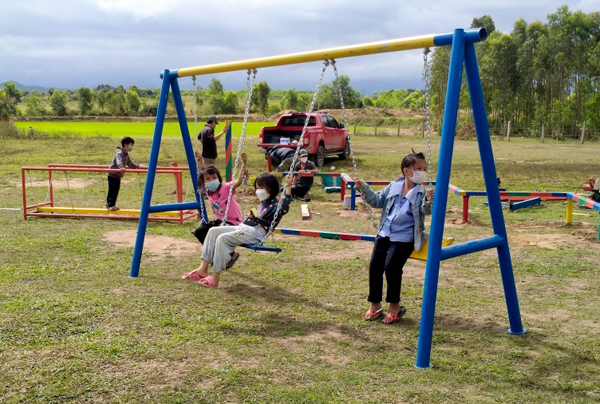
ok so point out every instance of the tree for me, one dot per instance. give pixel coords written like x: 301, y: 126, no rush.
x: 85, y: 100
x: 132, y: 102
x: 216, y: 96
x: 58, y: 102
x: 11, y: 96
x: 350, y: 96
x: 230, y: 103
x: 115, y: 103
x: 289, y: 100
x: 486, y: 22
x: 262, y: 92
x: 101, y: 99
x: 35, y: 107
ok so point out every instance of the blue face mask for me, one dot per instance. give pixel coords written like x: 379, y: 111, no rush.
x: 212, y: 186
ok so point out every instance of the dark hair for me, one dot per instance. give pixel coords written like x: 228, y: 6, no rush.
x: 210, y: 170
x: 410, y: 159
x: 269, y: 181
x: 126, y: 140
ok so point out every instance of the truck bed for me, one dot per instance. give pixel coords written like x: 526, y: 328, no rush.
x: 274, y: 135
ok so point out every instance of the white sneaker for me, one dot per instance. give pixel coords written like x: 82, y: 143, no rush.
x: 113, y: 208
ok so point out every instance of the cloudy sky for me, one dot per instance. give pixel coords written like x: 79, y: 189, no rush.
x: 74, y: 43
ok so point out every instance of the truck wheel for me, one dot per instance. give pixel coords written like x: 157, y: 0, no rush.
x: 319, y: 158
x: 346, y: 154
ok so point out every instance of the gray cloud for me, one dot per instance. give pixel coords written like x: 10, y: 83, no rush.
x: 71, y: 43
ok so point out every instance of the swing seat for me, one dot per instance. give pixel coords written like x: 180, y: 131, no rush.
x: 263, y: 247
x: 421, y: 255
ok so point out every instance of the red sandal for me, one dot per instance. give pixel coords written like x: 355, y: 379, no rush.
x: 391, y: 318
x: 373, y: 315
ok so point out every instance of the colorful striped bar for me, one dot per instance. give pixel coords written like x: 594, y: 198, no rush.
x: 228, y: 148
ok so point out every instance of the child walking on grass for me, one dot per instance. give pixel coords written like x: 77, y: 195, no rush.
x: 405, y: 203
x: 221, y: 241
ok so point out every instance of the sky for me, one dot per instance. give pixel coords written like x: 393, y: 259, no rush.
x: 75, y: 43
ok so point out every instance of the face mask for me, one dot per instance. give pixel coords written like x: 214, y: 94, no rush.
x: 262, y: 194
x: 129, y: 148
x: 418, y: 177
x: 304, y: 159
x: 212, y: 186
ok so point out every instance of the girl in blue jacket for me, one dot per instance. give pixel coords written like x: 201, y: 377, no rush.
x: 405, y: 203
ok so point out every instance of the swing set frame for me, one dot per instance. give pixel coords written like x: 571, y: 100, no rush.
x: 462, y: 54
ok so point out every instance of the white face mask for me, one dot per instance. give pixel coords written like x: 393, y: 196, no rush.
x: 304, y: 159
x: 129, y: 148
x: 418, y: 177
x: 262, y: 194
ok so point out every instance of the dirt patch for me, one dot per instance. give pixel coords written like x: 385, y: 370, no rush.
x: 158, y: 246
x: 73, y: 183
x: 556, y: 242
x: 329, y: 332
x: 354, y: 214
x: 320, y: 251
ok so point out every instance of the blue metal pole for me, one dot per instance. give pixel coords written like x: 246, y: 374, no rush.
x: 352, y: 197
x: 173, y: 206
x: 187, y: 141
x: 432, y: 270
x: 491, y: 185
x: 143, y: 223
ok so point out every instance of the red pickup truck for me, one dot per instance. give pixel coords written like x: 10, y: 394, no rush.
x: 324, y: 136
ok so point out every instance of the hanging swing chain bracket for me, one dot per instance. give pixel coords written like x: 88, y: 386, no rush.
x: 350, y: 141
x: 300, y: 143
x: 426, y: 77
x: 242, y: 142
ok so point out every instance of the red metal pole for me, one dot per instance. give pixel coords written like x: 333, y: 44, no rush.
x: 343, y: 193
x: 269, y: 164
x: 465, y: 209
x: 179, y: 182
x: 24, y: 194
x: 51, y: 187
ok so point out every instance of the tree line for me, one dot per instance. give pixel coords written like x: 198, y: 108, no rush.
x: 539, y: 74
x: 105, y: 100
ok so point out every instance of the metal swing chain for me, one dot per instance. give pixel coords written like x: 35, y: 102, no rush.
x: 295, y: 158
x: 350, y: 142
x: 201, y: 210
x: 426, y: 76
x: 242, y: 142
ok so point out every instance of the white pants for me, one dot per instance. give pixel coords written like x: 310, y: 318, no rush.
x: 221, y: 241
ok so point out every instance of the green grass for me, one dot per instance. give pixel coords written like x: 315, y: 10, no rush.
x: 133, y: 129
x: 288, y: 328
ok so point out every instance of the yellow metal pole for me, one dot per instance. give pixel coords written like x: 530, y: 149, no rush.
x: 569, y: 216
x: 371, y: 48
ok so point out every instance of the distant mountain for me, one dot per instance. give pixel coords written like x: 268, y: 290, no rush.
x: 24, y: 87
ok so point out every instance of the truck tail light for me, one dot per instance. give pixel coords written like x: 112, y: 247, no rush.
x: 306, y: 140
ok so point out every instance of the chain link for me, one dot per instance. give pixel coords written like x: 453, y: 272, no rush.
x: 295, y: 158
x: 350, y: 142
x: 201, y: 210
x: 242, y: 142
x: 426, y: 76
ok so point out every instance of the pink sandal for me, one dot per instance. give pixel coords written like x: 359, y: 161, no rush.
x: 193, y: 276
x: 207, y: 282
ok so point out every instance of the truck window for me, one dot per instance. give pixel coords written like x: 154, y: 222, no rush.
x: 333, y: 123
x: 297, y: 120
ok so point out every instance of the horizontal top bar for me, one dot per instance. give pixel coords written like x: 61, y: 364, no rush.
x: 393, y: 45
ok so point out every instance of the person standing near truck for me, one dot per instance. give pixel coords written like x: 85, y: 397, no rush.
x: 302, y: 185
x: 209, y: 140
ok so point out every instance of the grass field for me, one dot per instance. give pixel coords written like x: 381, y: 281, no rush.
x: 288, y: 328
x: 133, y: 129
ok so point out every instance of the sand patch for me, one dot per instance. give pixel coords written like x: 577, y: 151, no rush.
x: 158, y: 246
x: 356, y: 214
x: 556, y: 241
x: 74, y: 183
